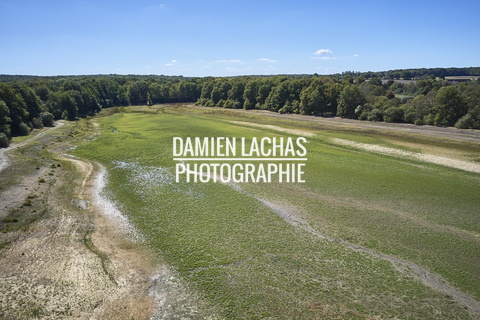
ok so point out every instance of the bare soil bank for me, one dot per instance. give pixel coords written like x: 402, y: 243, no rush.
x: 61, y: 255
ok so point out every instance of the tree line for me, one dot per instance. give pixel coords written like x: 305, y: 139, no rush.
x: 405, y: 74
x: 34, y: 102
x: 430, y: 101
x: 418, y: 73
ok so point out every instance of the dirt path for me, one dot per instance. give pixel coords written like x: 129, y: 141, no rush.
x: 4, y: 159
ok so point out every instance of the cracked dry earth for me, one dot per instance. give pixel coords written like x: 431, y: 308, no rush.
x: 71, y: 260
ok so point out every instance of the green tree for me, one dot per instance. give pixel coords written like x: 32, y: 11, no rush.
x: 423, y: 87
x: 236, y: 91
x: 110, y: 91
x: 387, y: 84
x: 137, y: 92
x: 277, y: 97
x: 375, y: 115
x: 421, y: 106
x: 47, y: 119
x: 68, y: 105
x: 295, y: 87
x: 206, y: 92
x: 4, y: 142
x: 17, y: 106
x: 5, y: 119
x: 220, y: 90
x: 263, y: 93
x: 216, y: 95
x: 77, y: 96
x: 23, y: 129
x: 31, y: 100
x: 375, y: 81
x: 332, y: 94
x: 185, y: 91
x: 393, y: 114
x: 405, y: 75
x: 42, y: 92
x: 250, y: 94
x: 312, y: 98
x: 390, y: 94
x: 359, y: 80
x: 71, y: 84
x: 155, y: 93
x: 449, y: 106
x: 350, y: 98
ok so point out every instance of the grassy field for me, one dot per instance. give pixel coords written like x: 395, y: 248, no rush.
x: 246, y: 261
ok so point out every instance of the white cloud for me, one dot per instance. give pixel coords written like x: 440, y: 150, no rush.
x: 229, y: 61
x: 322, y: 52
x: 324, y: 58
x: 267, y: 60
x: 173, y: 61
x: 355, y: 55
x: 168, y: 64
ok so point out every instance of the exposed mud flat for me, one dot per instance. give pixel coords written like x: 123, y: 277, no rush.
x: 173, y: 299
x: 108, y: 206
x: 448, y: 162
x: 277, y: 128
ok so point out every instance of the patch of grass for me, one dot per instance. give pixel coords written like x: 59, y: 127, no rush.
x: 27, y: 203
x: 4, y: 244
x: 20, y: 219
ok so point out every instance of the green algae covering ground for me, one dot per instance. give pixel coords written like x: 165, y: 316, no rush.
x: 259, y: 251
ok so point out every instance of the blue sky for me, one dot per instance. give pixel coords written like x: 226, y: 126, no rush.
x: 226, y: 38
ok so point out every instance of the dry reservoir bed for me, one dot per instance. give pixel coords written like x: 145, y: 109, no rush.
x: 373, y: 232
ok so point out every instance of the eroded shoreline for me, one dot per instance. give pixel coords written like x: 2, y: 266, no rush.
x: 70, y: 259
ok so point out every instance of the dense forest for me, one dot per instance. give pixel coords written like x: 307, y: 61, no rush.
x: 419, y: 96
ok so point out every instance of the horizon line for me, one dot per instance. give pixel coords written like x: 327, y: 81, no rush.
x: 228, y: 76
